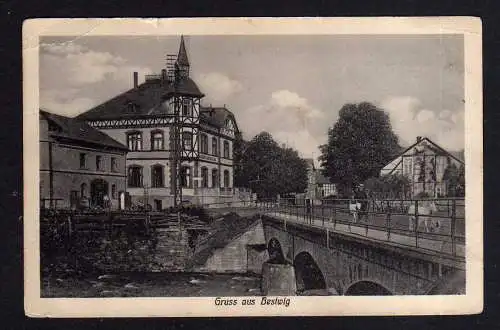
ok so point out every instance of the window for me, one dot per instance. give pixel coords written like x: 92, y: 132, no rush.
x: 226, y: 149
x: 187, y: 141
x: 186, y: 107
x: 157, y: 140
x: 73, y: 198
x: 134, y: 141
x: 83, y: 190
x: 204, y: 144
x: 186, y: 177
x: 135, y: 176
x: 114, y: 165
x: 113, y: 191
x: 204, y: 177
x: 83, y: 160
x: 215, y: 178
x: 226, y: 179
x: 157, y: 176
x: 132, y: 107
x: 98, y: 163
x: 215, y: 150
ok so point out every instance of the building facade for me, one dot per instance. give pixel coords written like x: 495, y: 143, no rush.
x: 79, y: 166
x: 318, y: 186
x: 424, y: 164
x: 176, y: 146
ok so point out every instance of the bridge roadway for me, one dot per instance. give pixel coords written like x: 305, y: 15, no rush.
x: 437, y: 242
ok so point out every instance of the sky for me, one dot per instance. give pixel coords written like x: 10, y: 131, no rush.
x: 291, y: 86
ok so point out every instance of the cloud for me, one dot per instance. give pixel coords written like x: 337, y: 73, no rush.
x: 78, y: 65
x: 71, y: 76
x: 410, y: 119
x: 65, y: 102
x: 218, y: 87
x: 288, y: 117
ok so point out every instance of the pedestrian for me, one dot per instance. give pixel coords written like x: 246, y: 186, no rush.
x: 106, y: 201
x: 362, y: 198
x: 308, y: 209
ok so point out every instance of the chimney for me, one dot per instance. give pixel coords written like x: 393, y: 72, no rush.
x: 136, y: 79
x: 419, y: 138
x: 163, y: 74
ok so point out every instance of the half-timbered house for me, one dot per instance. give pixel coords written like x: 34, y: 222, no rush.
x: 424, y: 164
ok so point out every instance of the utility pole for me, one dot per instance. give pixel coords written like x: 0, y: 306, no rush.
x: 177, y: 146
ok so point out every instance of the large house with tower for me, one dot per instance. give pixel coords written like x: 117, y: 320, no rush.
x: 154, y: 144
x: 424, y: 164
x: 176, y: 147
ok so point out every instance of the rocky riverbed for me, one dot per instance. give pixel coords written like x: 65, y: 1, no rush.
x: 150, y: 285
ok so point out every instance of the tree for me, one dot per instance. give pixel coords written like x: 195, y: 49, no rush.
x: 269, y: 169
x: 359, y: 144
x: 455, y: 180
x: 239, y: 147
x: 388, y: 186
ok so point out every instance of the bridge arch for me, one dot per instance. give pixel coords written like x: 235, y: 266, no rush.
x: 308, y: 275
x: 275, y: 252
x: 367, y: 288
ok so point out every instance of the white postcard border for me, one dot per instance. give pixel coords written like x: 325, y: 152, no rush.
x: 471, y: 302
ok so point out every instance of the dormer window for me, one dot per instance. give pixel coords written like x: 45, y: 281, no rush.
x: 131, y: 107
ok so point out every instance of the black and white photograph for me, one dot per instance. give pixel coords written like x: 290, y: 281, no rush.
x: 254, y: 173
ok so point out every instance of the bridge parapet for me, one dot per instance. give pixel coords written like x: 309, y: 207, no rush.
x: 340, y: 263
x: 392, y: 224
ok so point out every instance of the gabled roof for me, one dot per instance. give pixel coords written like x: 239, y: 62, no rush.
x: 144, y: 101
x: 77, y: 130
x: 217, y: 116
x: 459, y: 155
x: 435, y: 147
x: 182, y: 57
x: 136, y: 102
x: 321, y: 179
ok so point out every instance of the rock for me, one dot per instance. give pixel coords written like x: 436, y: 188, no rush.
x: 106, y: 277
x: 130, y: 286
x: 196, y: 281
x: 242, y: 278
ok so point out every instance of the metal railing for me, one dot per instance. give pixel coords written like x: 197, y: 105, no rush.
x: 442, y: 230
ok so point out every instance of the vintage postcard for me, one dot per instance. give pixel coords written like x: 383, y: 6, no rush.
x: 252, y: 167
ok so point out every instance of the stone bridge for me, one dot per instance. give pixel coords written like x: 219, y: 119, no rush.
x: 330, y: 262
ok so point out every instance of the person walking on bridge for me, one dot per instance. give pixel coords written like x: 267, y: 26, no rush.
x: 309, y: 210
x: 361, y: 197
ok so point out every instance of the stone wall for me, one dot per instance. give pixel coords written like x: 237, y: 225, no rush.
x: 241, y: 255
x: 278, y: 280
x: 172, y: 250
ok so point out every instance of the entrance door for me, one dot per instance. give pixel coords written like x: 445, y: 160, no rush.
x: 98, y: 188
x: 73, y: 199
x: 158, y: 205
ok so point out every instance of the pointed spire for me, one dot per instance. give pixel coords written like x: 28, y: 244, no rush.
x: 182, y: 58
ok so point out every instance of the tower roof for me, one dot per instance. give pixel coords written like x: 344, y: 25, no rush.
x: 182, y: 58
